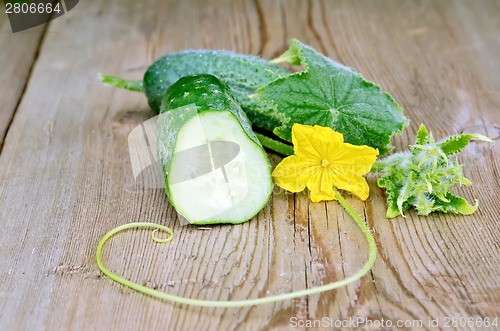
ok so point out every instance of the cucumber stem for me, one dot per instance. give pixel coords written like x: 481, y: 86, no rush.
x: 274, y: 145
x: 237, y: 303
x: 131, y: 85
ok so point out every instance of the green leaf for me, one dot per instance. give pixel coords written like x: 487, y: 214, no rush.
x: 404, y: 194
x: 392, y: 211
x: 422, y: 135
x: 456, y: 144
x: 329, y: 94
x: 455, y: 204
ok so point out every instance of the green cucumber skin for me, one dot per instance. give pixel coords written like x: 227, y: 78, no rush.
x: 209, y: 94
x: 244, y: 74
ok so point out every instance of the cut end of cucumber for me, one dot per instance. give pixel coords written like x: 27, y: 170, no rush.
x: 218, y: 174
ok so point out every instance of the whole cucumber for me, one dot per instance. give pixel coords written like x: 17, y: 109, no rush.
x: 244, y: 74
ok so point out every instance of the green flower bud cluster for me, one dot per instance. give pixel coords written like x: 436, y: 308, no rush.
x: 423, y: 176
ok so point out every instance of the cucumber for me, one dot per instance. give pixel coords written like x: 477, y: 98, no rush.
x: 244, y: 74
x: 215, y: 169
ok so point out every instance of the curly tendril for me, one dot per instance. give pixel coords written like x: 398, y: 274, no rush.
x: 237, y: 303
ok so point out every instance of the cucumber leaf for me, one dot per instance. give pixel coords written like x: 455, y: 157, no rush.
x: 329, y: 94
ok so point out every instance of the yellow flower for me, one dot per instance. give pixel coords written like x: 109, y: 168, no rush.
x: 322, y: 160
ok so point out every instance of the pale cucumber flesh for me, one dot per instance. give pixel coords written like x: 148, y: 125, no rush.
x: 232, y: 193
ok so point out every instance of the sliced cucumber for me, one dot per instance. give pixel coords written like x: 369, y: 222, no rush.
x: 215, y: 169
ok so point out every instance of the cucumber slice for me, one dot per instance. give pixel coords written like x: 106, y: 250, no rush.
x: 215, y: 169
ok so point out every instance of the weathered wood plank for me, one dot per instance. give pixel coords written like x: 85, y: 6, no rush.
x: 66, y: 177
x: 428, y: 264
x: 17, y: 56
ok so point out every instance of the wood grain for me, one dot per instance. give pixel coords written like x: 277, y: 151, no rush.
x: 66, y: 177
x: 17, y: 57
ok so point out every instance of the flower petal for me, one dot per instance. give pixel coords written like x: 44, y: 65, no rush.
x: 357, y: 185
x: 348, y: 165
x: 322, y: 196
x: 292, y: 173
x: 314, y: 141
x: 320, y: 186
x: 353, y: 160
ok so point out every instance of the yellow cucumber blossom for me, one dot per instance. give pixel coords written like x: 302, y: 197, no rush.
x: 323, y: 161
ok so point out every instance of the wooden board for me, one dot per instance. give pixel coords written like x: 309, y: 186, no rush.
x: 18, y: 54
x: 66, y: 177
